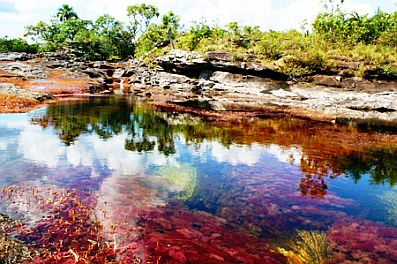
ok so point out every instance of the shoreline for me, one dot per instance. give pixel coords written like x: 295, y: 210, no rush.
x: 206, y: 83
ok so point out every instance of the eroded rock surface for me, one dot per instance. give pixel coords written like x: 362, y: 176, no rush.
x: 12, y: 89
x: 215, y: 81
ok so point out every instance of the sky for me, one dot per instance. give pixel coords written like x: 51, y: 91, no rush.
x: 268, y: 14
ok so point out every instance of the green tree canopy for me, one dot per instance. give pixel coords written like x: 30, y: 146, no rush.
x: 66, y: 12
x: 141, y: 15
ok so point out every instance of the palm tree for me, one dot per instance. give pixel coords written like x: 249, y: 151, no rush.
x: 66, y: 12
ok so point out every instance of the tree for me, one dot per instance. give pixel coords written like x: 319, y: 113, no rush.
x: 141, y: 17
x: 113, y: 39
x: 66, y: 12
x: 170, y: 25
x: 158, y: 35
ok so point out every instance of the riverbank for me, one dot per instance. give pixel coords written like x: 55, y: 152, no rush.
x: 212, y: 81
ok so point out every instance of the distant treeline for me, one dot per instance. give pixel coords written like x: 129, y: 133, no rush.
x: 334, y: 33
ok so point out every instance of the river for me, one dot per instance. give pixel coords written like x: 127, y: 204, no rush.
x: 119, y: 180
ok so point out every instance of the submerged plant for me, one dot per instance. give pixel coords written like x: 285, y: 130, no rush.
x: 310, y: 248
x: 183, y: 176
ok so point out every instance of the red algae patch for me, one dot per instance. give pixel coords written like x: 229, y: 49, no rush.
x: 172, y: 234
x: 359, y: 241
x: 68, y: 231
x: 63, y: 228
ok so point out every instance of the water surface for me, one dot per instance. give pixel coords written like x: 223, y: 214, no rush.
x: 161, y: 180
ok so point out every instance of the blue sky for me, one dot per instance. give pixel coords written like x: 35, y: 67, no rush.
x: 268, y: 14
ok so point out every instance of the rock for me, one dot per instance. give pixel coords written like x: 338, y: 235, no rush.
x: 24, y: 70
x: 192, y: 64
x: 15, y: 56
x: 329, y: 81
x: 102, y: 65
x: 118, y: 73
x: 219, y: 55
x: 206, y: 84
x: 205, y: 75
x: 12, y: 89
x: 93, y: 73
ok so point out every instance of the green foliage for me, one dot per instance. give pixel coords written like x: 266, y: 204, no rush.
x: 354, y: 28
x: 156, y: 34
x: 335, y: 35
x: 141, y: 16
x: 17, y: 45
x: 106, y: 38
x: 66, y: 12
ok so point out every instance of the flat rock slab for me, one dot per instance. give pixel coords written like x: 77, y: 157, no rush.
x: 24, y: 70
x: 13, y: 90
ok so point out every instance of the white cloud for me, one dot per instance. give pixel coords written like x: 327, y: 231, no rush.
x: 265, y: 13
x: 291, y: 155
x: 234, y: 155
x: 39, y: 147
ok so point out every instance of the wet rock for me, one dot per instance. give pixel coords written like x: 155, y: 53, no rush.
x: 95, y: 88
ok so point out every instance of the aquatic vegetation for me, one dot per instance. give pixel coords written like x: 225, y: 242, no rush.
x: 69, y: 232
x: 266, y: 204
x: 362, y: 241
x: 310, y: 248
x: 390, y: 198
x: 12, y: 250
x: 184, y: 176
x: 173, y: 234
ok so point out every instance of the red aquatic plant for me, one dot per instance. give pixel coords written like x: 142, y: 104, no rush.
x: 359, y: 241
x: 173, y: 234
x: 69, y: 232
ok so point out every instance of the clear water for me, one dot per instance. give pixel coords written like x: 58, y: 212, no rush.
x: 264, y: 177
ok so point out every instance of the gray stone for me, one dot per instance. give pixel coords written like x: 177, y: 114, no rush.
x: 12, y: 89
x: 14, y: 56
x: 24, y: 70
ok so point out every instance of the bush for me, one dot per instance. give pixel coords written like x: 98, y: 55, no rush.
x: 17, y: 45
